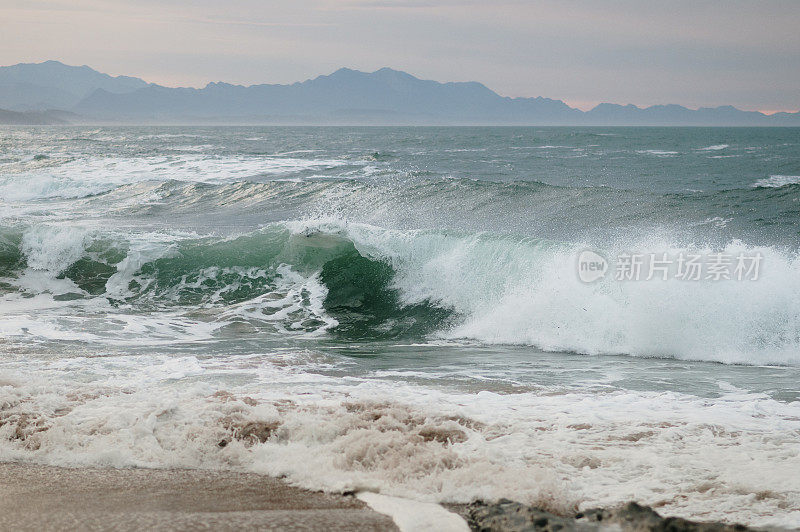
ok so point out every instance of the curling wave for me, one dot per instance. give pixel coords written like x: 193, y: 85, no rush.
x: 362, y: 281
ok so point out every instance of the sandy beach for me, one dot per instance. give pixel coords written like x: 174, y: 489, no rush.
x: 52, y: 498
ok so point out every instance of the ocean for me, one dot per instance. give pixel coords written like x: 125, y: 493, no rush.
x: 568, y: 317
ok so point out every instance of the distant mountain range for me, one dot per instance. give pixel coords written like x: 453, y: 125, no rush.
x: 52, y: 92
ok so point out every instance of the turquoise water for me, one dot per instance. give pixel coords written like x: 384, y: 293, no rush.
x: 160, y: 286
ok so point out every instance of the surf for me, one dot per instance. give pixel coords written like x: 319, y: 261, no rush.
x: 359, y: 281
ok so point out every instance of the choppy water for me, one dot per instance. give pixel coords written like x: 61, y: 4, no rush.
x: 401, y: 309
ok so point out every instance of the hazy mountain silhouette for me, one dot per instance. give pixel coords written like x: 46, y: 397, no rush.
x: 346, y: 96
x: 54, y: 85
x: 670, y: 115
x: 382, y: 95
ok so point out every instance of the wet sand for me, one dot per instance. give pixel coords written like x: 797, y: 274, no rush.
x: 52, y: 498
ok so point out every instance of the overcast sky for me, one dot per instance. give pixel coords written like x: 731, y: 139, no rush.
x: 695, y: 53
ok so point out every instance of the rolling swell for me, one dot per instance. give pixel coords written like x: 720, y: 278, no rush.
x: 756, y: 215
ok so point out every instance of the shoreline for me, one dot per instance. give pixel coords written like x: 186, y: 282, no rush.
x: 53, y: 498
x: 37, y: 497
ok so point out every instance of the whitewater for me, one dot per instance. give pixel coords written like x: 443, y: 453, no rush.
x: 400, y: 310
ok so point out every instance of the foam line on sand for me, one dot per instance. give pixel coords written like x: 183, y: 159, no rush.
x: 413, y: 516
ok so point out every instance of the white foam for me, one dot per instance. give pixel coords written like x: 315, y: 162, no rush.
x: 732, y: 458
x: 777, y: 181
x: 54, y: 248
x: 718, y: 221
x: 715, y: 147
x: 413, y: 516
x: 92, y: 175
x: 295, y: 302
x: 40, y: 328
x: 659, y: 153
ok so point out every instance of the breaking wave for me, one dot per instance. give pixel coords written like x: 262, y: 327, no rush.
x: 778, y: 181
x: 352, y: 280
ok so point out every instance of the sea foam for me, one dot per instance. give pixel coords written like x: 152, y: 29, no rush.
x: 777, y: 181
x: 561, y: 451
